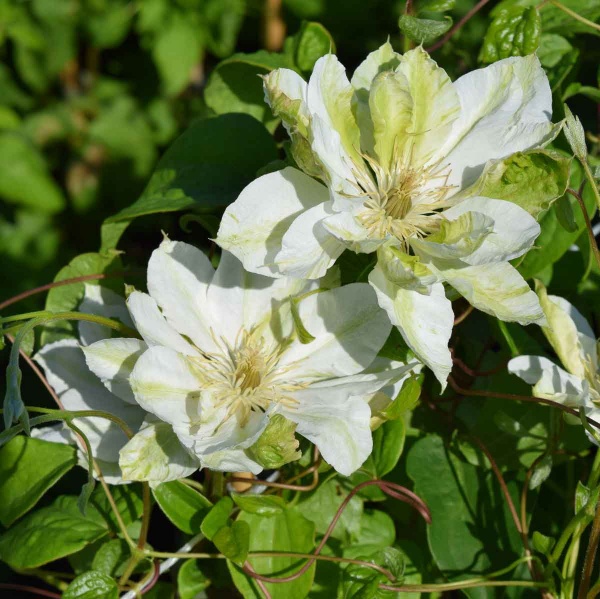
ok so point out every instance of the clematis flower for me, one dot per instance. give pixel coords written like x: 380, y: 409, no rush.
x: 576, y: 385
x: 224, y: 355
x: 390, y: 162
x: 78, y: 388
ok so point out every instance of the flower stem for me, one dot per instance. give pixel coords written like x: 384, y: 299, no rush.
x: 588, y: 225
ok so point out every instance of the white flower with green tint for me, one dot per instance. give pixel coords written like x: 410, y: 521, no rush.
x: 79, y: 389
x: 576, y: 385
x: 227, y: 350
x: 390, y: 162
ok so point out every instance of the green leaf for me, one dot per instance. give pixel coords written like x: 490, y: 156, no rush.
x: 183, y: 506
x: 111, y: 557
x: 407, y: 398
x: 376, y: 530
x: 556, y: 20
x: 128, y: 499
x: 423, y: 31
x: 434, y: 5
x: 554, y: 240
x: 553, y: 48
x: 388, y: 442
x: 176, y: 51
x: 207, y: 166
x: 262, y: 505
x: 277, y: 444
x: 235, y: 85
x: 217, y: 517
x: 463, y: 541
x: 287, y: 531
x: 28, y: 468
x: 541, y: 472
x: 50, y: 533
x: 24, y: 176
x: 191, y: 581
x: 233, y: 541
x: 542, y: 543
x: 108, y: 24
x: 565, y: 215
x: 309, y: 44
x: 515, y: 31
x: 582, y: 496
x: 92, y: 585
x: 67, y: 297
x: 319, y: 506
x: 533, y: 180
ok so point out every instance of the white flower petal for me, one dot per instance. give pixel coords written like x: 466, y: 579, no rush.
x: 496, y: 289
x: 178, y: 277
x: 349, y: 329
x: 112, y: 361
x: 102, y: 302
x: 163, y: 384
x: 382, y: 59
x: 230, y: 460
x: 514, y: 229
x: 347, y: 229
x: 338, y: 425
x: 549, y: 380
x: 152, y: 325
x: 240, y: 299
x: 253, y: 226
x: 329, y: 99
x: 79, y: 389
x: 424, y: 321
x: 576, y: 344
x: 287, y: 83
x: 505, y: 108
x: 435, y: 103
x: 155, y: 454
x: 308, y: 249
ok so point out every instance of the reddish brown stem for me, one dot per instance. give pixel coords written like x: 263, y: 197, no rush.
x: 514, y: 397
x: 457, y: 26
x: 391, y: 489
x: 71, y: 281
x: 27, y: 589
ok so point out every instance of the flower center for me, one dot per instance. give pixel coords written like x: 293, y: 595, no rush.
x: 402, y: 201
x: 245, y: 377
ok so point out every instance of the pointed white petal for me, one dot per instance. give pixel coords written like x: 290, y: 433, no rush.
x: 253, y: 226
x: 238, y: 299
x: 112, y: 361
x: 79, y: 389
x: 549, y: 380
x: 349, y: 329
x: 569, y: 334
x: 514, y: 229
x: 230, y: 460
x: 496, y: 289
x: 435, y: 104
x: 103, y: 302
x: 285, y: 93
x: 152, y: 325
x: 505, y: 108
x: 424, y: 321
x: 329, y: 99
x: 382, y: 59
x: 155, y: 454
x: 338, y: 425
x: 178, y: 277
x: 163, y: 384
x: 308, y: 249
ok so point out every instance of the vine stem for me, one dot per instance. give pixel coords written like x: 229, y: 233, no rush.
x: 588, y: 225
x: 27, y: 589
x: 590, y: 555
x: 47, y: 286
x: 514, y: 397
x: 459, y: 24
x: 456, y: 586
x: 570, y: 12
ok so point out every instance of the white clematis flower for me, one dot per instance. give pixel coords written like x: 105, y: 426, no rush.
x: 398, y: 150
x: 78, y: 388
x: 223, y: 357
x: 576, y: 385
